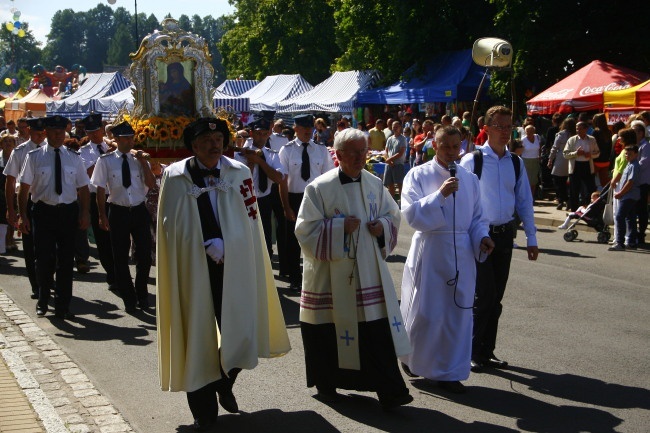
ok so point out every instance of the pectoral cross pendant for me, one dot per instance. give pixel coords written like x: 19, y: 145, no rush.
x: 351, y: 277
x: 211, y: 181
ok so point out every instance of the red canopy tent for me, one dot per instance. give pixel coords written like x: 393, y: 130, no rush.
x: 583, y: 90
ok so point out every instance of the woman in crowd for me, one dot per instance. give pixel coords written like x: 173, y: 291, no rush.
x: 530, y: 155
x: 603, y: 137
x: 7, y: 145
x: 559, y: 165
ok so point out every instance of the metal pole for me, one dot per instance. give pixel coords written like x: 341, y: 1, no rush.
x: 137, y: 35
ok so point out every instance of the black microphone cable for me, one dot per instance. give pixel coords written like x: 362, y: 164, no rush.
x: 454, y: 281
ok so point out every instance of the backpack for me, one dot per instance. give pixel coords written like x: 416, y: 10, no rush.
x: 478, y: 164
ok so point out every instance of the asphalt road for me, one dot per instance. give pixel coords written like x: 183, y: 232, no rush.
x: 575, y: 330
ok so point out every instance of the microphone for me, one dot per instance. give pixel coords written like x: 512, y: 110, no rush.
x: 452, y: 173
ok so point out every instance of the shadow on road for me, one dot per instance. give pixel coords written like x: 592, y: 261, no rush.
x: 578, y: 388
x: 366, y: 411
x: 532, y: 415
x: 269, y: 421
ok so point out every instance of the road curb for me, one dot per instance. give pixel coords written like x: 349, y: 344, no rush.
x: 61, y: 395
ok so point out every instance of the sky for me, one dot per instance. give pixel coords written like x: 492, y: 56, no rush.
x: 38, y: 13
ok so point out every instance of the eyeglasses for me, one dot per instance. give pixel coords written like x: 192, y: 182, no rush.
x: 503, y: 128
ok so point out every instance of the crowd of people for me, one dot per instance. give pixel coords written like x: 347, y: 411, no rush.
x: 333, y: 222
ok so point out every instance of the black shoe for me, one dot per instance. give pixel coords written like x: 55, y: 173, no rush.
x: 295, y: 287
x: 476, y: 366
x: 204, y: 424
x: 34, y: 295
x: 143, y: 304
x: 83, y: 267
x: 407, y: 370
x: 495, y: 362
x: 560, y: 206
x: 327, y: 395
x: 64, y: 315
x: 392, y: 402
x: 114, y: 288
x: 40, y: 312
x: 454, y: 386
x: 228, y: 401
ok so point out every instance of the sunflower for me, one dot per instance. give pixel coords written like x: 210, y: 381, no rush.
x: 175, y: 132
x: 141, y: 137
x: 163, y: 134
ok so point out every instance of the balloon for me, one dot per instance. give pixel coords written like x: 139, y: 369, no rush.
x: 13, y: 81
x: 13, y: 10
x: 9, y: 25
x: 15, y: 31
x: 21, y: 33
x: 112, y: 2
x: 17, y: 14
x: 18, y: 25
x: 7, y: 81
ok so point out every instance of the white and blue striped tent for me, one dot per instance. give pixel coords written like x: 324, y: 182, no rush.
x: 236, y: 87
x: 83, y: 101
x: 231, y: 103
x: 274, y: 89
x: 337, y: 94
x: 108, y: 106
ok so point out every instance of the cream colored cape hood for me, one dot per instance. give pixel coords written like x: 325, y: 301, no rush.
x: 190, y: 345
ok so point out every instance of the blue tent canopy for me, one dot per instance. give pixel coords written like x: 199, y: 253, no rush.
x: 82, y: 102
x: 236, y: 87
x: 450, y: 76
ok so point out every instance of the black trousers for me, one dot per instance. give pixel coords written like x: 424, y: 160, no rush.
x: 102, y: 240
x: 491, y: 279
x: 127, y: 222
x: 642, y: 211
x: 54, y: 229
x: 293, y: 247
x: 203, y: 402
x: 81, y: 247
x: 581, y: 182
x: 265, y: 206
x: 280, y: 228
x: 561, y: 192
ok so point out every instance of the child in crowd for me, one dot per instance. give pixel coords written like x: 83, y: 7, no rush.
x: 580, y: 211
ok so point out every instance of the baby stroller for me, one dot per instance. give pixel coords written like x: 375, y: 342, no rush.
x: 593, y: 217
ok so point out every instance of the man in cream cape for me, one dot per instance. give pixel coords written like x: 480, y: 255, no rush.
x: 212, y: 263
x: 351, y: 325
x: 439, y: 276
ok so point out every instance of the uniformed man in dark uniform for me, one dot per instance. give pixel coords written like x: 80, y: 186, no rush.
x: 90, y: 153
x: 58, y: 182
x: 12, y: 171
x: 126, y: 177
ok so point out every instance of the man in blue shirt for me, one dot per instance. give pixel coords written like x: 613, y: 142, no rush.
x: 627, y: 196
x: 503, y: 192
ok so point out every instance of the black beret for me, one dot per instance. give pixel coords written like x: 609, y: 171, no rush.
x: 306, y: 120
x: 58, y: 122
x: 92, y: 122
x: 122, y: 129
x: 36, y: 123
x: 260, y: 125
x: 204, y: 125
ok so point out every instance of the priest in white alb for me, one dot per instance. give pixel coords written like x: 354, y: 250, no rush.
x: 440, y: 274
x: 350, y: 321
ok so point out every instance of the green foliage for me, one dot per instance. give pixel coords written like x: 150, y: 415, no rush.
x: 19, y: 53
x: 273, y: 37
x: 120, y: 47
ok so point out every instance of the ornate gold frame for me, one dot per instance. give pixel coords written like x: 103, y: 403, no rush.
x: 169, y: 45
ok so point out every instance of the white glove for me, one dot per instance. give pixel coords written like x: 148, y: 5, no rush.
x: 214, y: 249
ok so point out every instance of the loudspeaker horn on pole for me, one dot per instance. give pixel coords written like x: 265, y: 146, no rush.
x: 492, y: 53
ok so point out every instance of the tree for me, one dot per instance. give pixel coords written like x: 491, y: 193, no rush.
x: 280, y: 37
x: 19, y: 53
x: 98, y: 31
x: 65, y: 42
x: 120, y: 47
